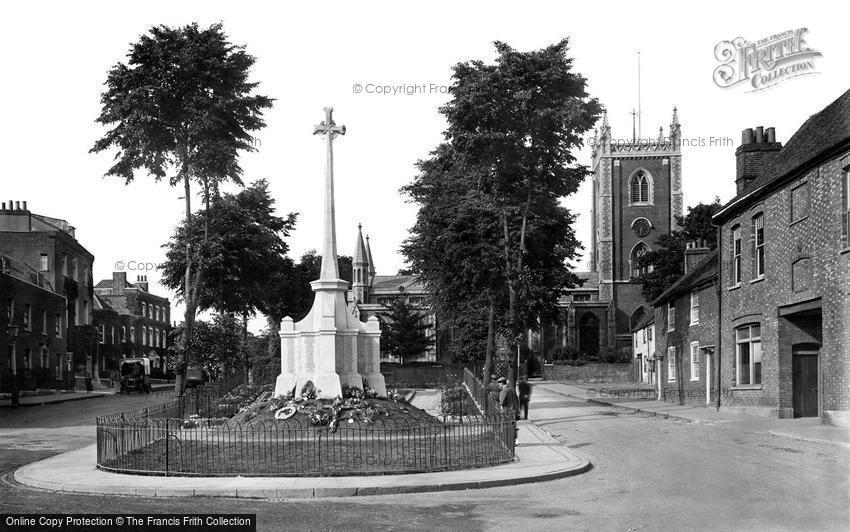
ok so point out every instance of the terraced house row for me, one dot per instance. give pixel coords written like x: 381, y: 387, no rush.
x: 56, y: 327
x: 762, y: 323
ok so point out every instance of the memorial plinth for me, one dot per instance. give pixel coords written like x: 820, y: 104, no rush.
x: 329, y: 347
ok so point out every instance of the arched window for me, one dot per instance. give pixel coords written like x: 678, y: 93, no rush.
x: 637, y: 269
x: 640, y: 187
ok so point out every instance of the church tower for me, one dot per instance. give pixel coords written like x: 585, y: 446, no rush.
x: 363, y: 271
x: 637, y: 194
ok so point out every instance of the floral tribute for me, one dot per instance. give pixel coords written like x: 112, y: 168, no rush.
x: 356, y: 405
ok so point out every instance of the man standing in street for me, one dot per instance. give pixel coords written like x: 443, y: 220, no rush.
x: 524, y: 396
x: 508, y: 399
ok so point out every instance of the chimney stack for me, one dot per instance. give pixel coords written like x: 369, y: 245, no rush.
x: 142, y: 282
x: 119, y: 282
x: 695, y: 252
x: 755, y: 155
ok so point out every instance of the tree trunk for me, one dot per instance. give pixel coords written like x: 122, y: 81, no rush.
x: 245, y: 353
x: 189, y: 315
x: 488, y: 353
x: 512, y: 303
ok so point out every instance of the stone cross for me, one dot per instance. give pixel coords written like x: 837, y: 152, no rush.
x: 330, y: 130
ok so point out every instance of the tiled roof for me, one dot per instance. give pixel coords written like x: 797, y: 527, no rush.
x: 648, y: 318
x: 819, y: 134
x: 703, y: 271
x: 394, y: 282
x: 101, y: 304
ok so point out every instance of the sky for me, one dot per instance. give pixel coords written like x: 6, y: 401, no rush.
x: 55, y: 56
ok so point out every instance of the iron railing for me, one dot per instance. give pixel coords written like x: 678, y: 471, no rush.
x: 170, y: 440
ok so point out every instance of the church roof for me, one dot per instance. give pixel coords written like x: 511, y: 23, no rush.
x: 820, y: 134
x: 410, y: 283
x: 591, y: 279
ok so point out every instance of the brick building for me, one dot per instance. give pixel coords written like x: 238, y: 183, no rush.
x: 40, y: 355
x: 784, y: 328
x: 131, y: 322
x: 686, y: 331
x: 49, y: 246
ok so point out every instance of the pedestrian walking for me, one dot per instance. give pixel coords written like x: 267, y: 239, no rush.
x: 508, y: 399
x: 524, y: 396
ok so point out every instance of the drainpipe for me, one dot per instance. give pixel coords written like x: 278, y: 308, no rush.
x: 719, y: 283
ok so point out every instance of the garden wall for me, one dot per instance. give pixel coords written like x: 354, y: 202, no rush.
x: 590, y: 372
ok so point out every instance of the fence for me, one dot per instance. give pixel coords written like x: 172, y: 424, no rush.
x: 163, y: 441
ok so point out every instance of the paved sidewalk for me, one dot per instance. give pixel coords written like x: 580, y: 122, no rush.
x: 637, y: 399
x: 539, y: 458
x: 38, y: 400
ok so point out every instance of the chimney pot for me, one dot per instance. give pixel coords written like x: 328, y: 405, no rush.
x: 17, y: 205
x: 3, y: 206
x: 759, y: 135
x: 771, y: 134
x: 747, y: 136
x: 25, y: 205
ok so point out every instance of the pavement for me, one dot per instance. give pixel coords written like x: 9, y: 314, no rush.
x: 640, y: 399
x: 539, y: 457
x: 38, y: 400
x: 64, y: 397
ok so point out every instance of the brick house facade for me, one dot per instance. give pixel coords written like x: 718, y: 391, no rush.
x: 685, y: 331
x: 40, y: 350
x: 785, y: 272
x: 50, y: 247
x: 132, y: 322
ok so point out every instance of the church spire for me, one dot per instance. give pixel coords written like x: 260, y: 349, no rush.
x: 371, y: 262
x: 360, y: 268
x: 360, y: 248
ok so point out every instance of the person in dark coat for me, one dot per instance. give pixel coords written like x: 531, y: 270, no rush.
x: 508, y: 399
x: 524, y: 396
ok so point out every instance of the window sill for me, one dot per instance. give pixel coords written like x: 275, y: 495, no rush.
x: 757, y: 279
x: 694, y: 380
x: 745, y: 387
x: 795, y: 222
x: 844, y: 251
x: 734, y: 287
x: 694, y: 323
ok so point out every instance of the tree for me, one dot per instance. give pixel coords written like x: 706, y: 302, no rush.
x: 404, y: 331
x: 512, y: 130
x: 214, y: 345
x: 242, y: 248
x: 665, y: 263
x: 182, y: 109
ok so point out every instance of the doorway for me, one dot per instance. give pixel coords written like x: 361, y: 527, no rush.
x: 588, y: 335
x: 805, y: 383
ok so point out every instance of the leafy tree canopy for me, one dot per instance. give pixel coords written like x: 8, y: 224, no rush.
x: 666, y: 262
x: 404, y: 330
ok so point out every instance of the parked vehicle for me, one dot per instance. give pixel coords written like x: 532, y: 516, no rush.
x: 135, y: 375
x: 196, y: 376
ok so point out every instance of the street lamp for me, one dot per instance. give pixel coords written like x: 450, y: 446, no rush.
x: 12, y: 332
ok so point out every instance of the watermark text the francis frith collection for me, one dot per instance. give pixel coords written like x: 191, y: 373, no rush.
x: 764, y: 63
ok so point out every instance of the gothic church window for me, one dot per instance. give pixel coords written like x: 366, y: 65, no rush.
x: 638, y: 269
x: 640, y: 188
